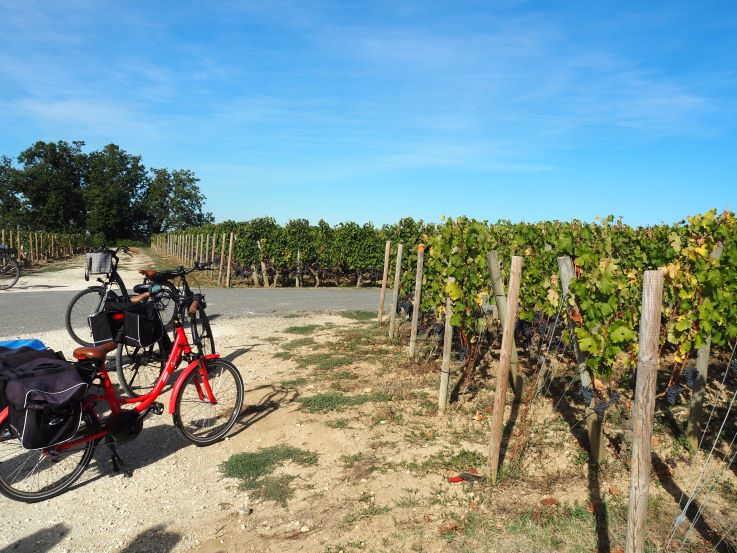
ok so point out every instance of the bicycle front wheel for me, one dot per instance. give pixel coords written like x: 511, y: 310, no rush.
x: 139, y: 368
x: 196, y: 417
x: 9, y: 272
x: 31, y: 475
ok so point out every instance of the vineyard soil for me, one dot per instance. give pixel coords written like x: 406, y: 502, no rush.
x: 333, y: 385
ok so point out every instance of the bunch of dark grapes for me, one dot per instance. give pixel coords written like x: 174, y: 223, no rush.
x: 462, y: 353
x: 614, y: 397
x: 600, y: 408
x: 586, y: 393
x: 733, y: 367
x: 404, y: 306
x: 689, y: 373
x: 672, y: 393
x: 438, y: 329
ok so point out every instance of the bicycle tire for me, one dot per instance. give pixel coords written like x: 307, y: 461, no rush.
x: 139, y: 368
x: 194, y: 418
x: 9, y: 272
x: 80, y: 310
x: 41, y: 462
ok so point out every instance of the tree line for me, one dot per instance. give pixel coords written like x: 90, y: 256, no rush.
x: 107, y: 193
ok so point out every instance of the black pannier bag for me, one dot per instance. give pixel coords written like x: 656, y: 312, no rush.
x: 11, y: 358
x: 45, y: 402
x: 137, y: 325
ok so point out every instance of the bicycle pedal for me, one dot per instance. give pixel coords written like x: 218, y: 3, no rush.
x: 157, y: 408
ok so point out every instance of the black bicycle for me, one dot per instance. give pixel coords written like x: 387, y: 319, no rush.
x: 9, y: 268
x: 139, y: 368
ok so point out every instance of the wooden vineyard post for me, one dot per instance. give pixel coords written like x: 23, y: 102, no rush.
x: 643, y: 409
x: 497, y: 289
x: 207, y: 249
x: 222, y: 259
x: 502, y: 372
x: 416, y: 303
x: 385, y: 280
x: 230, y: 260
x: 693, y: 426
x: 594, y: 425
x: 395, y: 299
x: 447, y: 349
x: 298, y: 271
x: 214, y: 238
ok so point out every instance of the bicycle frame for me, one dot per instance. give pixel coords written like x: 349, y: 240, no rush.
x: 179, y: 350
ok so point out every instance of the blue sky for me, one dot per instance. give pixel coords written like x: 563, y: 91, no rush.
x: 371, y: 111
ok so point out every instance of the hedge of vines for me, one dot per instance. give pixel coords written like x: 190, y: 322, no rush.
x: 698, y: 256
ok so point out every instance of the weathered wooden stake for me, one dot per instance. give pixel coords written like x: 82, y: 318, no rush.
x: 395, y: 299
x: 416, y: 303
x: 447, y: 349
x: 222, y: 259
x: 385, y: 280
x: 693, y: 426
x: 643, y: 409
x: 502, y: 372
x: 230, y: 260
x: 497, y: 289
x: 594, y: 425
x: 298, y: 271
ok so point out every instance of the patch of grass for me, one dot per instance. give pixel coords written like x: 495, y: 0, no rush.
x: 340, y: 424
x: 304, y: 329
x: 358, y: 315
x: 368, y: 512
x: 252, y: 470
x: 275, y: 488
x: 410, y: 500
x: 299, y: 343
x: 294, y: 382
x: 291, y: 315
x: 345, y: 375
x: 350, y: 460
x: 324, y: 361
x: 461, y: 461
x: 322, y: 403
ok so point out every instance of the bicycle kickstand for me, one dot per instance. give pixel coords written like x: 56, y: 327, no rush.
x: 118, y: 463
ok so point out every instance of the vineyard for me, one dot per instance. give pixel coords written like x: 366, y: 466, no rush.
x: 576, y: 318
x: 34, y: 248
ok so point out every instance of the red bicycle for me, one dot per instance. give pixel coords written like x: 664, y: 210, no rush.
x: 205, y: 403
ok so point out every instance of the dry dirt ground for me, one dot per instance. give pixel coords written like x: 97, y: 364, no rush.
x: 354, y: 457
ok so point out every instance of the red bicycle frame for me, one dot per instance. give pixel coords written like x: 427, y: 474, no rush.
x: 179, y: 349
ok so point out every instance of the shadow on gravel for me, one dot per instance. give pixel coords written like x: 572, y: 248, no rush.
x: 233, y: 355
x: 154, y: 540
x: 273, y: 398
x: 40, y: 541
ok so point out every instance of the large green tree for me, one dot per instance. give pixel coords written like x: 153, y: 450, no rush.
x: 12, y: 204
x: 115, y: 183
x: 173, y: 201
x: 51, y: 181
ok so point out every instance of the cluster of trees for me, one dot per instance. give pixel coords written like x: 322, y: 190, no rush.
x: 108, y: 193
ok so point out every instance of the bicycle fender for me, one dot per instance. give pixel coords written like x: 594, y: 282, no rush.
x: 194, y: 365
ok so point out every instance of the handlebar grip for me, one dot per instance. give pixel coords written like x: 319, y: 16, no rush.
x: 140, y: 297
x: 194, y: 306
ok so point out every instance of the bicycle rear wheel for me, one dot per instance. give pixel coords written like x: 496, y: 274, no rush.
x: 31, y: 475
x: 199, y: 420
x: 9, y: 272
x: 139, y: 368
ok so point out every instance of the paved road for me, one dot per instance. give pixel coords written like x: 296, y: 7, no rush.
x: 32, y: 312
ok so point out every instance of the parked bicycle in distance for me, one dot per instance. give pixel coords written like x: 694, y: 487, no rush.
x: 9, y: 268
x: 103, y: 264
